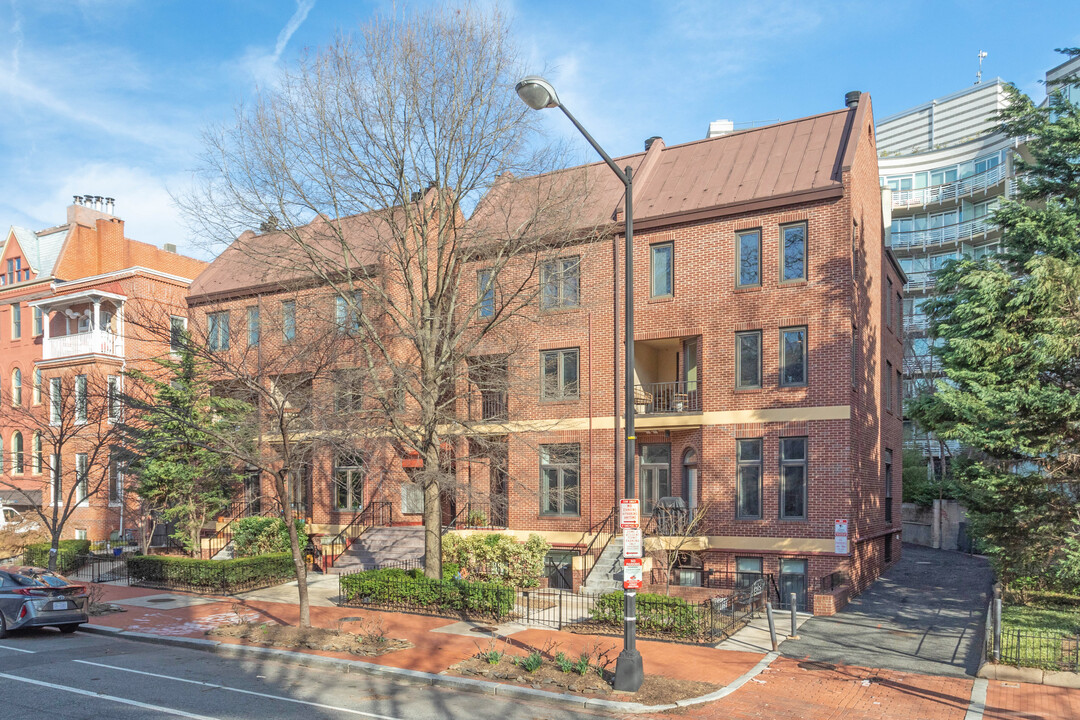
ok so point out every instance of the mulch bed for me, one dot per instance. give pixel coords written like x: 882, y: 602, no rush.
x: 655, y: 690
x: 314, y: 638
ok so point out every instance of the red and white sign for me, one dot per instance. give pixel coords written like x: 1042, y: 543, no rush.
x: 632, y: 542
x: 632, y: 573
x: 629, y: 513
x: 840, y: 537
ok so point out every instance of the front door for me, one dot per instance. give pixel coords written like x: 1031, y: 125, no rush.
x: 793, y: 580
x: 252, y: 493
x: 655, y: 476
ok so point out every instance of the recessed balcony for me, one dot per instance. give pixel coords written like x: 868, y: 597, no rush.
x: 667, y: 391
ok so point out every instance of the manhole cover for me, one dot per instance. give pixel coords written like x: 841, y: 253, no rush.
x: 484, y: 629
x: 816, y: 665
x: 923, y: 562
x: 160, y: 600
x: 350, y: 619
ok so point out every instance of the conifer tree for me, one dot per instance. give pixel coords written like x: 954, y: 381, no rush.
x: 1010, y: 326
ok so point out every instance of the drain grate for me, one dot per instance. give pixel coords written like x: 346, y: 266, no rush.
x: 160, y: 600
x: 484, y: 629
x: 816, y: 665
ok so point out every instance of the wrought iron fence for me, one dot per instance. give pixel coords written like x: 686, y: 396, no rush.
x: 101, y: 569
x: 660, y: 616
x: 1047, y: 650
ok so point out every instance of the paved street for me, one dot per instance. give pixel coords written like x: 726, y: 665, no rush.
x: 88, y: 677
x: 924, y: 615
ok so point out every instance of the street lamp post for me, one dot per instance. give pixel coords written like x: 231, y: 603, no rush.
x: 538, y: 93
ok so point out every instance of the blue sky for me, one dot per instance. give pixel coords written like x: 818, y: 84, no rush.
x: 109, y: 97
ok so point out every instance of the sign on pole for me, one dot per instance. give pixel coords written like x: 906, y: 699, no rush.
x: 840, y: 537
x: 632, y: 573
x: 632, y: 542
x: 629, y: 515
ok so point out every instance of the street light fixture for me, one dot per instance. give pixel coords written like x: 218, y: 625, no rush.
x: 538, y: 93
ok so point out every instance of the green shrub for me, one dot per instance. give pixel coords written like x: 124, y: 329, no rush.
x: 661, y: 614
x: 214, y: 576
x: 70, y: 555
x: 394, y: 588
x: 259, y: 535
x: 494, y: 557
x: 531, y: 662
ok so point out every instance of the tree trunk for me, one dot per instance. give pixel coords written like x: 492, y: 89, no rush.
x: 54, y: 550
x: 297, y: 551
x: 432, y: 526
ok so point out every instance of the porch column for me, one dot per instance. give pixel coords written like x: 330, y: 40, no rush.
x: 97, y: 339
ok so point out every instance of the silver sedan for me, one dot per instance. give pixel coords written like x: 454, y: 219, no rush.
x: 33, y: 597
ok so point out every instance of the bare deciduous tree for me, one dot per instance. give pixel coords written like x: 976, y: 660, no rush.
x: 360, y: 167
x: 69, y: 442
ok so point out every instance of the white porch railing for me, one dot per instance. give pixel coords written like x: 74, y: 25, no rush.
x: 942, y: 235
x: 97, y: 342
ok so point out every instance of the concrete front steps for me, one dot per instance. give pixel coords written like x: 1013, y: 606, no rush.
x: 379, y: 546
x: 607, y: 574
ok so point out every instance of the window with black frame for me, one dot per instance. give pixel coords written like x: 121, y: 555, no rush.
x: 793, y: 478
x: 748, y: 459
x: 560, y: 479
x: 349, y: 483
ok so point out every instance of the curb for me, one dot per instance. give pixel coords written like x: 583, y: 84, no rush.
x: 417, y: 677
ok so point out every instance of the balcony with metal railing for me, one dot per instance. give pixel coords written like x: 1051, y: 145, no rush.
x: 944, y: 235
x: 667, y: 397
x: 951, y: 191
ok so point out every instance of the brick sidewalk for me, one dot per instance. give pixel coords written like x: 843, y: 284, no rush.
x: 787, y: 690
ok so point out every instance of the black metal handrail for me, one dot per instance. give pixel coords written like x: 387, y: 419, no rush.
x: 219, y: 540
x: 668, y: 397
x: 597, y: 530
x: 834, y: 580
x: 377, y: 514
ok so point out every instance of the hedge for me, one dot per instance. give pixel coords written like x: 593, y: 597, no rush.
x: 70, y: 555
x: 215, y: 576
x: 400, y: 590
x: 258, y: 535
x: 660, y: 614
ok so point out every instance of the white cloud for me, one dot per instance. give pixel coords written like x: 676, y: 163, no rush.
x: 262, y: 65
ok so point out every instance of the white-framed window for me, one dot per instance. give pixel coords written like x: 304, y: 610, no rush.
x: 16, y: 321
x: 80, y: 534
x: 80, y: 399
x: 17, y: 460
x: 16, y: 387
x: 55, y: 401
x: 116, y: 476
x: 82, y: 477
x: 412, y: 498
x: 36, y: 459
x: 114, y: 398
x: 39, y: 322
x: 349, y: 483
x: 177, y: 326
x: 37, y: 386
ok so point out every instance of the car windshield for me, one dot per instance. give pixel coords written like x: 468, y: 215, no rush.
x: 41, y: 578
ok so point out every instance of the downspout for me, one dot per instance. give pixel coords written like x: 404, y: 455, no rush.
x: 590, y: 421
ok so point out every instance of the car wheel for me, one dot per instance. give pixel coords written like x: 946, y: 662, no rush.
x: 69, y: 628
x: 3, y: 626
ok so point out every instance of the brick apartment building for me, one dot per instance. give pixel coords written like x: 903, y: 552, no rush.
x: 68, y: 298
x: 768, y: 355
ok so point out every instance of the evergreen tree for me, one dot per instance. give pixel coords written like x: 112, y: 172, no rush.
x: 171, y: 439
x: 1011, y: 358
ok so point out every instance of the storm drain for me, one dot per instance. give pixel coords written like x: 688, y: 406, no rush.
x: 816, y: 665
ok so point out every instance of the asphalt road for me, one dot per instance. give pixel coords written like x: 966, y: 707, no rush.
x: 925, y: 615
x: 44, y: 674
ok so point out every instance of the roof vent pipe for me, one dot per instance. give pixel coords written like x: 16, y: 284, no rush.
x: 650, y: 141
x: 851, y: 99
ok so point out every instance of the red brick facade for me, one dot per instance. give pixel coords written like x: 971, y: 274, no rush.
x: 844, y: 409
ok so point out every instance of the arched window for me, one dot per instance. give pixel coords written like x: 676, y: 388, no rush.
x: 37, y: 386
x: 690, y: 479
x: 16, y: 387
x: 36, y: 467
x: 17, y: 454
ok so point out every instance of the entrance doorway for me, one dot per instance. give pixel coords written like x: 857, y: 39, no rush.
x: 655, y: 476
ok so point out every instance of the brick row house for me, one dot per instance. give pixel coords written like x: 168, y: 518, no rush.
x: 71, y: 300
x: 768, y: 355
